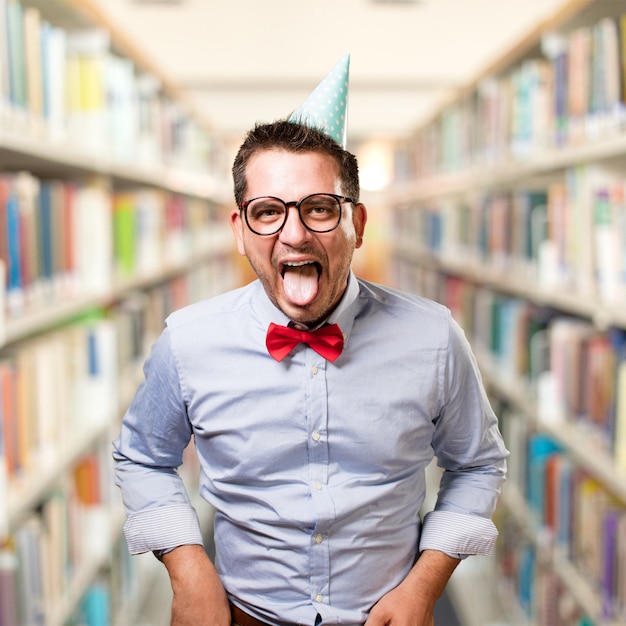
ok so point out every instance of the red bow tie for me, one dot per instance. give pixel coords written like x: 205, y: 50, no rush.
x: 326, y: 341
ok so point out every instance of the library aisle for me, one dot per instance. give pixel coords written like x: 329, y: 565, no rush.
x: 512, y: 214
x: 111, y: 216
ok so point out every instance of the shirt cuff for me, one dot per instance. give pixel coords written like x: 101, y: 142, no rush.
x: 458, y: 534
x: 162, y: 529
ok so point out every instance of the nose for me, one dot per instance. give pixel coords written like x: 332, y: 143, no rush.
x: 294, y: 231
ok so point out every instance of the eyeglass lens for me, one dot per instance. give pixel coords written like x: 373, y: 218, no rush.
x: 319, y: 213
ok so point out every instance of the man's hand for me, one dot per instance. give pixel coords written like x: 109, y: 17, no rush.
x: 412, y: 602
x: 199, y: 597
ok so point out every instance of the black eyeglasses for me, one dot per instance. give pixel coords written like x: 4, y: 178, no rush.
x: 319, y: 212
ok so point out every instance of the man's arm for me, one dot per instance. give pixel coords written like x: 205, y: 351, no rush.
x: 199, y: 597
x: 149, y: 449
x: 412, y: 602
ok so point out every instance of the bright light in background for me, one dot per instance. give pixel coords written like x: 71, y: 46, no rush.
x: 375, y: 164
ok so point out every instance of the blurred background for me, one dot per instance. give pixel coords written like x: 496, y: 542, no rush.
x: 491, y: 137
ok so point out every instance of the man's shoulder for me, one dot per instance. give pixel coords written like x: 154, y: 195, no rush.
x: 393, y: 299
x: 223, y: 304
x: 415, y: 321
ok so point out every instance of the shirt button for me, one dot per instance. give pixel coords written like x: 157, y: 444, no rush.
x: 314, y: 370
x: 316, y: 436
x: 319, y: 538
x: 319, y: 597
x: 318, y: 486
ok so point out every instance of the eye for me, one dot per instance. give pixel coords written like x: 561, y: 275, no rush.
x: 265, y: 209
x: 320, y: 208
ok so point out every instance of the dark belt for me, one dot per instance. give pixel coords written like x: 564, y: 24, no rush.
x: 241, y: 618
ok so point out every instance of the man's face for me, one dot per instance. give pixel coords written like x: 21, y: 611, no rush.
x: 303, y: 273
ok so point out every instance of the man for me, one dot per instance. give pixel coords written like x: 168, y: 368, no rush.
x: 314, y: 464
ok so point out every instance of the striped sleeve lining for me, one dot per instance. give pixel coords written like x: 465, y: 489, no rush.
x: 456, y: 533
x: 162, y: 529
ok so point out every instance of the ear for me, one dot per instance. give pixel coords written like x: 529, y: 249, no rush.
x: 236, y: 223
x: 359, y: 219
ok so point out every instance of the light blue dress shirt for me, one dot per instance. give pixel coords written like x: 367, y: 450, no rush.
x: 315, y: 469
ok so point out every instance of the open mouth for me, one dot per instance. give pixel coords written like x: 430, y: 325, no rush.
x: 301, y: 281
x: 301, y: 266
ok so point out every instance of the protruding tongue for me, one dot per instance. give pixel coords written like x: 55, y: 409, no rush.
x: 301, y: 283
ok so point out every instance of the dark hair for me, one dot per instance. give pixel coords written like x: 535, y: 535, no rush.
x: 294, y: 137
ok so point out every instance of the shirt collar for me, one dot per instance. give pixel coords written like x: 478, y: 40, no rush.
x: 346, y: 310
x: 344, y: 313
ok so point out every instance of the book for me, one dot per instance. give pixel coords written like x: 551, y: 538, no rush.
x: 8, y: 586
x: 3, y: 289
x: 4, y: 467
x: 95, y: 605
x: 598, y: 383
x: 17, y: 64
x: 5, y: 89
x: 93, y: 243
x: 610, y: 539
x: 53, y: 70
x: 580, y: 180
x: 515, y: 430
x: 125, y: 223
x: 579, y: 45
x: 618, y: 204
x: 46, y: 239
x: 151, y: 234
x: 606, y: 246
x: 8, y: 391
x: 15, y: 295
x: 568, y: 338
x: 540, y: 449
x: 87, y: 58
x: 28, y: 542
x: 149, y: 149
x: 120, y: 86
x: 555, y: 270
x: 33, y: 66
x: 619, y: 447
x: 529, y: 231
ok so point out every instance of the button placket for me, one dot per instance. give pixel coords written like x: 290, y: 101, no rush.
x: 317, y: 394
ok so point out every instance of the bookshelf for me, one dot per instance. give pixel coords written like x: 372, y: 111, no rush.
x: 509, y: 208
x: 112, y: 214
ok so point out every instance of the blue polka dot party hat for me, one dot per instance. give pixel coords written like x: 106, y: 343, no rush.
x: 327, y: 106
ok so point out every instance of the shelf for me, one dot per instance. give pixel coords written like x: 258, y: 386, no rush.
x: 60, y: 311
x: 574, y: 438
x: 596, y: 460
x: 82, y: 147
x: 512, y: 190
x: 471, y: 592
x: 517, y: 284
x: 85, y: 575
x: 554, y: 557
x: 23, y: 151
x: 26, y: 492
x: 547, y: 162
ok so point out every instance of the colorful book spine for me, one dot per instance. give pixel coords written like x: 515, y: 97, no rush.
x: 66, y: 84
x: 574, y: 93
x: 575, y: 518
x: 619, y: 413
x: 570, y: 235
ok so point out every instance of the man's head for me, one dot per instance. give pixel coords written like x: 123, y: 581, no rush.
x: 303, y: 272
x: 294, y: 137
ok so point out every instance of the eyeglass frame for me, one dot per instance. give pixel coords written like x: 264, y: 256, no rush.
x: 243, y: 206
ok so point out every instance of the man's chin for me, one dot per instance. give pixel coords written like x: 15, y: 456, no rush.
x: 306, y: 314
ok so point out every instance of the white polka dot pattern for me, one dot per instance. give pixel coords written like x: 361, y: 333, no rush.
x: 327, y: 107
